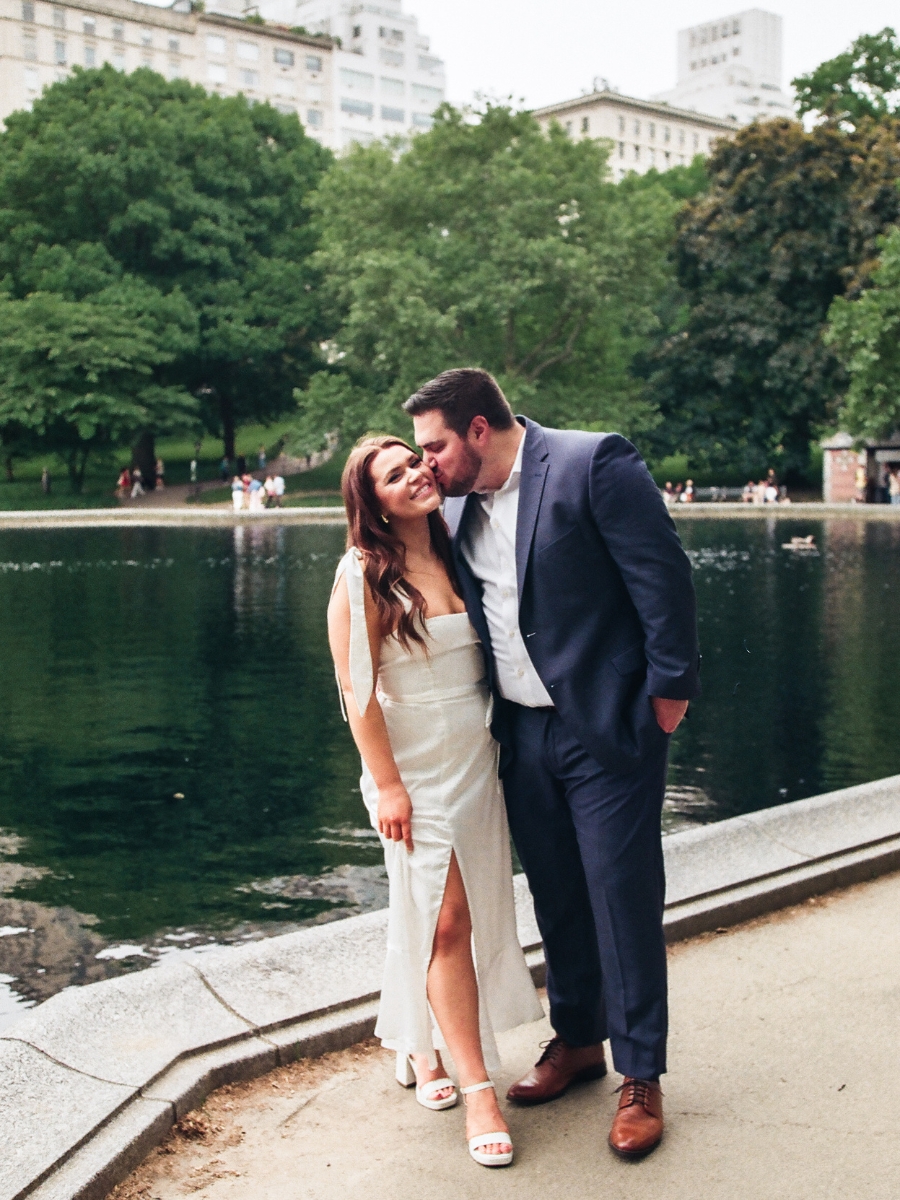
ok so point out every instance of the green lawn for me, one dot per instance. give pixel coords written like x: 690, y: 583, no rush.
x: 100, y: 481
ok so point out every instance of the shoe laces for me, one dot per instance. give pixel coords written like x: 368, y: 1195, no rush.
x: 636, y: 1091
x: 552, y: 1050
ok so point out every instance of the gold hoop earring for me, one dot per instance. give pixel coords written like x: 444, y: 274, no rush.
x: 385, y: 519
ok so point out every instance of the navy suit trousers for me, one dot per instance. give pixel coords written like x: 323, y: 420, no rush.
x: 590, y: 842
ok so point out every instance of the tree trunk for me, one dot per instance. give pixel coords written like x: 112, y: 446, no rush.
x: 76, y: 464
x: 226, y: 410
x: 10, y: 478
x: 144, y: 456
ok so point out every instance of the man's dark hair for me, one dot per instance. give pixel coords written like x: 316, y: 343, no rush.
x: 460, y: 395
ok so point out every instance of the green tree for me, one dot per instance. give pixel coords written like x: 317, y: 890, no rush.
x: 865, y: 333
x: 489, y: 244
x: 78, y: 376
x: 791, y: 220
x: 115, y: 174
x: 863, y: 82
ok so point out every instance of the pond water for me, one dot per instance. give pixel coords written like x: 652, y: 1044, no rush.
x: 176, y: 773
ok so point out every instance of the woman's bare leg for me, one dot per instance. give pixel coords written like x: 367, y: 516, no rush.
x: 453, y: 993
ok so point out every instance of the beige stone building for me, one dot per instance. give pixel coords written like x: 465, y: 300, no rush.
x: 40, y: 42
x: 642, y: 133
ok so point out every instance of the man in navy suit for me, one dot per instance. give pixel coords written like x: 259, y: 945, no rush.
x: 581, y: 593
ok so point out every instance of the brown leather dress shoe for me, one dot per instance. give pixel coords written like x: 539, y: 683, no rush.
x: 556, y: 1070
x: 638, y: 1125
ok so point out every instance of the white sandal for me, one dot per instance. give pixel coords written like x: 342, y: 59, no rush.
x: 488, y: 1139
x: 406, y: 1077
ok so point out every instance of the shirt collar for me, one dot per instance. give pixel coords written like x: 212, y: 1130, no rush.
x: 512, y: 480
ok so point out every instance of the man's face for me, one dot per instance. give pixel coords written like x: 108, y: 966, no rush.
x: 455, y: 461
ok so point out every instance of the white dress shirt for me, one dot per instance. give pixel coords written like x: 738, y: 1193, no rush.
x: 489, y: 547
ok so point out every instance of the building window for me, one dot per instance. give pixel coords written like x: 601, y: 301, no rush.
x: 621, y: 124
x: 59, y: 17
x: 637, y: 129
x: 89, y: 27
x: 215, y: 44
x: 314, y: 117
x: 696, y: 142
x: 422, y: 121
x: 313, y: 63
x: 357, y: 31
x: 391, y: 58
x: 248, y: 51
x: 216, y: 73
x: 569, y: 128
x: 394, y: 36
x: 392, y: 87
x: 621, y: 149
x: 174, y: 46
x: 118, y: 60
x: 174, y: 69
x: 359, y: 81
x: 118, y: 32
x: 652, y: 157
x: 314, y: 92
x: 735, y: 50
x: 31, y: 79
x: 668, y: 157
x: 147, y: 61
x: 585, y: 125
x: 59, y: 53
x: 680, y: 137
x: 735, y: 27
x: 361, y: 107
x: 652, y: 129
x: 28, y: 11
x: 90, y: 56
x: 427, y: 62
x: 29, y: 48
x: 146, y: 37
x: 392, y: 114
x: 637, y: 154
x: 249, y: 79
x: 284, y: 58
x: 431, y: 96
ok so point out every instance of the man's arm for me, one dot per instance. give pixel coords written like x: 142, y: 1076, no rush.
x: 640, y: 535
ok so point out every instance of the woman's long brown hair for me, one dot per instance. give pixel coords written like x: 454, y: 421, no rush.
x: 384, y: 554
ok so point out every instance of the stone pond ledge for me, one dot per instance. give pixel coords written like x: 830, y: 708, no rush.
x: 204, y: 515
x: 95, y: 1077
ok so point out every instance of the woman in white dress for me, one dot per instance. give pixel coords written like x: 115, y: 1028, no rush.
x: 411, y: 672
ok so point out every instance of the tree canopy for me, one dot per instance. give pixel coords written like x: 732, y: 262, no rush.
x: 863, y: 82
x: 115, y: 177
x: 865, y: 333
x: 492, y: 244
x: 791, y: 220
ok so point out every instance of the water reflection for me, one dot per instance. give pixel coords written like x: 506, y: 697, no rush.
x: 175, y: 772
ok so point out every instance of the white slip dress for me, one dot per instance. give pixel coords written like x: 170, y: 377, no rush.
x: 437, y: 709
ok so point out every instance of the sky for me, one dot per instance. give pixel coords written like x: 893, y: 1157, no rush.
x: 543, y: 51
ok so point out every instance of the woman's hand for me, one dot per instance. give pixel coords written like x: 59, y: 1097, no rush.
x: 395, y: 815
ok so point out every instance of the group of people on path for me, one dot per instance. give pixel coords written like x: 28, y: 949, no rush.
x: 515, y: 662
x: 766, y: 491
x: 252, y: 495
x: 131, y: 484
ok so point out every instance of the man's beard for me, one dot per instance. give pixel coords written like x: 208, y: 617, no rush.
x: 468, y: 470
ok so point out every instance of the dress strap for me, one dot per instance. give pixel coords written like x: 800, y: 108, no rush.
x: 362, y: 675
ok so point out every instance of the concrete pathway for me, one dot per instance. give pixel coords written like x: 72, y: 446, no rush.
x: 783, y: 1085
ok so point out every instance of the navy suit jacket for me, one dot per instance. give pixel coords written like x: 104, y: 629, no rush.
x: 606, y: 601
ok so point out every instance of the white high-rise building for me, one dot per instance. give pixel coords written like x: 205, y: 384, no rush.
x: 731, y: 67
x: 40, y: 42
x: 387, y: 81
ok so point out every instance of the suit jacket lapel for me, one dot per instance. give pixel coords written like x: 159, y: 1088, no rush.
x: 531, y: 491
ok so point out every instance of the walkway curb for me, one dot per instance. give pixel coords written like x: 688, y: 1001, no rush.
x: 95, y: 1077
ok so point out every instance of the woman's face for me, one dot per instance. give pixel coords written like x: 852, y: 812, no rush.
x: 404, y: 486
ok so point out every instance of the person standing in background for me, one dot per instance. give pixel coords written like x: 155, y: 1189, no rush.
x: 160, y: 473
x: 225, y: 468
x: 45, y: 482
x: 261, y: 459
x: 894, y: 486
